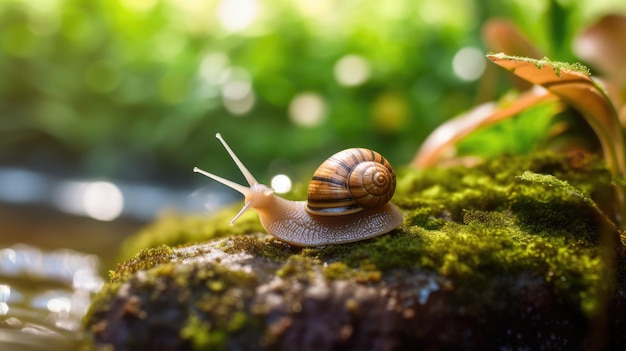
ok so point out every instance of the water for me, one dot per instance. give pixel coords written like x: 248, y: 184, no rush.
x: 45, y: 292
x: 43, y: 298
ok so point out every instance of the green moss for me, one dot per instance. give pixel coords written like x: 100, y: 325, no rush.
x: 145, y: 259
x: 212, y: 296
x: 175, y: 229
x: 552, y: 181
x: 270, y: 248
x: 201, y: 335
x: 297, y: 267
x: 576, y: 67
x: 500, y: 218
x: 337, y: 270
x: 540, y: 216
x: 101, y: 302
x: 216, y: 308
x: 365, y: 273
x: 557, y: 65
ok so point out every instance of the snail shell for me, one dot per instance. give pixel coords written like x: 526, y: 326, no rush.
x: 348, y: 201
x: 350, y: 181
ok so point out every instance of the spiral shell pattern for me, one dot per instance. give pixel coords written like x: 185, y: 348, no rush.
x: 350, y: 181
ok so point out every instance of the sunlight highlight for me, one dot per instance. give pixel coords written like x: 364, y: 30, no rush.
x: 59, y: 304
x: 352, y: 70
x: 5, y: 293
x: 307, y: 109
x: 469, y: 63
x: 281, y: 184
x: 237, y: 15
x: 213, y: 66
x: 99, y: 200
x: 238, y: 97
x: 103, y: 201
x: 314, y: 8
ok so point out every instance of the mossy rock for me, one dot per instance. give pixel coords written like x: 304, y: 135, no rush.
x: 516, y: 253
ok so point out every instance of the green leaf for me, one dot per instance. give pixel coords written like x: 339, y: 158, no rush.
x: 449, y: 133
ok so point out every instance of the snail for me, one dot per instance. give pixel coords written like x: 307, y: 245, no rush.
x: 339, y: 209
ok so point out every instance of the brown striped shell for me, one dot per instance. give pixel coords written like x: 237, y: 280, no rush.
x: 350, y: 181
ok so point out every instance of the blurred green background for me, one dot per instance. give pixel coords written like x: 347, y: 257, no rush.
x: 107, y: 105
x: 137, y: 89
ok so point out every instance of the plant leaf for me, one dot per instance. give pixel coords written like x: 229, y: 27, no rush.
x: 552, y: 181
x: 455, y: 129
x: 573, y: 84
x: 603, y: 45
x: 502, y: 35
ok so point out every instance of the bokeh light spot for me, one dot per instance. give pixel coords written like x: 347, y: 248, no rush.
x: 451, y: 14
x: 99, y: 200
x: 232, y: 74
x: 314, y: 8
x: 214, y: 66
x: 238, y: 97
x: 59, y: 304
x: 43, y: 19
x: 103, y: 201
x: 307, y: 109
x: 390, y: 112
x: 237, y: 15
x: 281, y: 183
x: 236, y: 90
x: 352, y: 70
x: 469, y: 63
x: 5, y: 293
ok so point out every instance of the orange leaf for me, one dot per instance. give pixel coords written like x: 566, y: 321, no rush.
x: 573, y: 85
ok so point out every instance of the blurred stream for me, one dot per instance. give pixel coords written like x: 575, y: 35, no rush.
x: 44, y: 296
x: 59, y: 237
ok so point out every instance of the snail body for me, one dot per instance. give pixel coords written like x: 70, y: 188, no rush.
x: 338, y: 209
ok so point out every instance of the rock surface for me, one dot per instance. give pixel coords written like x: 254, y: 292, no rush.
x: 485, y: 260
